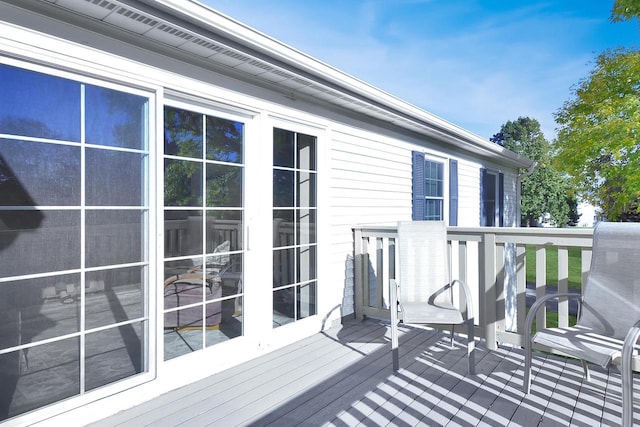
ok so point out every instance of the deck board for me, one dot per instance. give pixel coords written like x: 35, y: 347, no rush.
x: 343, y: 377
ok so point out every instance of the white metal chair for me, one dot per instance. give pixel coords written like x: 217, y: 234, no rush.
x: 608, y: 324
x: 423, y: 295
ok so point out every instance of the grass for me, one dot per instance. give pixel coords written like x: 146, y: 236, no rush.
x: 575, y: 266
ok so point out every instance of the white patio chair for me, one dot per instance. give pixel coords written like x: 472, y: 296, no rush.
x: 424, y: 295
x: 609, y: 311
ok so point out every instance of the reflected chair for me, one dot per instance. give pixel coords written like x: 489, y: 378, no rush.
x: 608, y: 323
x: 424, y: 293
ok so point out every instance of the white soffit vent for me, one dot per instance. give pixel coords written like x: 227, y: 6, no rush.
x: 98, y: 9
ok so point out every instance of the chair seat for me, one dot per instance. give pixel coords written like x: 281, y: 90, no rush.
x: 581, y: 342
x: 422, y: 313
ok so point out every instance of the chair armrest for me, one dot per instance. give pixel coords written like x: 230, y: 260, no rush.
x: 539, y: 304
x: 467, y: 297
x: 629, y: 343
x: 393, y: 300
x: 627, y: 373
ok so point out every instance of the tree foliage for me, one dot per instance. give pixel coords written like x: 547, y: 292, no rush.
x: 598, y: 140
x: 544, y: 191
x: 625, y: 10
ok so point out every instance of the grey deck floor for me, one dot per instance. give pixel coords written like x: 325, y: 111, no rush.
x: 343, y: 377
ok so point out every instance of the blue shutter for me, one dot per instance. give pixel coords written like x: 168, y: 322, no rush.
x: 483, y: 214
x: 453, y: 192
x: 501, y: 198
x: 418, y: 205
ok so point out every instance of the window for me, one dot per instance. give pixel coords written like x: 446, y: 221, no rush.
x: 491, y: 198
x: 429, y: 188
x: 203, y: 225
x: 74, y: 237
x: 294, y: 226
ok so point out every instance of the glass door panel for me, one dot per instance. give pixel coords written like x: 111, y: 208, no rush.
x: 203, y: 228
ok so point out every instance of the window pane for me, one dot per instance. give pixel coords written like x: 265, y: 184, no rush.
x: 306, y: 189
x: 229, y: 278
x: 114, y: 237
x: 33, y: 173
x: 283, y: 188
x: 224, y: 231
x: 306, y: 263
x: 283, y: 228
x: 224, y: 140
x: 114, y: 354
x: 182, y: 233
x: 306, y: 152
x: 114, y: 178
x: 114, y: 296
x: 283, y: 267
x: 224, y: 186
x: 182, y: 133
x: 283, y: 148
x: 183, y: 332
x: 39, y: 241
x: 306, y: 226
x: 114, y: 118
x: 184, y: 289
x: 182, y: 183
x: 231, y: 324
x: 434, y: 210
x: 39, y: 105
x: 306, y: 300
x: 53, y: 374
x: 284, y: 302
x: 37, y: 309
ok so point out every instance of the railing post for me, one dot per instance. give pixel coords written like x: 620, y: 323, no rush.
x: 541, y: 285
x: 358, y: 282
x: 488, y: 289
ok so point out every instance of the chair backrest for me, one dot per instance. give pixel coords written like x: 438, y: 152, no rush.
x: 612, y: 292
x: 424, y: 263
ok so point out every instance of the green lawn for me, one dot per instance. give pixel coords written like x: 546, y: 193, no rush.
x: 575, y: 266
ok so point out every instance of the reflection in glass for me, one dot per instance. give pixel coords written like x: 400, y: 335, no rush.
x: 229, y: 278
x: 182, y: 133
x: 283, y: 306
x: 114, y: 354
x: 53, y: 374
x: 114, y: 178
x: 306, y: 263
x: 283, y: 228
x: 306, y: 299
x: 37, y: 309
x: 306, y: 226
x: 306, y: 152
x: 39, y: 105
x: 306, y: 190
x: 35, y: 173
x: 53, y: 245
x: 182, y: 233
x: 283, y: 148
x: 115, y: 118
x: 283, y: 267
x: 114, y: 237
x: 283, y: 188
x: 224, y: 140
x: 224, y: 231
x: 182, y: 183
x: 231, y: 324
x: 185, y: 289
x: 224, y: 186
x: 188, y: 338
x: 114, y: 295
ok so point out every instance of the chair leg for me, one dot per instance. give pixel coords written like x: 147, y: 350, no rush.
x: 471, y: 347
x: 627, y: 392
x: 395, y: 352
x: 451, y: 337
x: 587, y: 372
x: 526, y: 382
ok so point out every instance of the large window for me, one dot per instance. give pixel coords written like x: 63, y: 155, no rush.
x: 74, y: 246
x: 203, y: 227
x: 491, y: 198
x: 430, y: 186
x: 294, y: 226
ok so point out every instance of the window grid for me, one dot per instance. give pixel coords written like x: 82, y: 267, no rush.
x: 434, y: 190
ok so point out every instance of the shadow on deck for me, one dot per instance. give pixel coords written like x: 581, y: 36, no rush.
x: 343, y: 377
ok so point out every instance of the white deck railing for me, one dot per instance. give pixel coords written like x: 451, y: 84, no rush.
x: 491, y: 260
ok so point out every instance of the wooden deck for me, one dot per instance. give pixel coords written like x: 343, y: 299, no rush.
x: 343, y: 377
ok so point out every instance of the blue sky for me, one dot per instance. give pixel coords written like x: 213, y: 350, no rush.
x: 475, y: 63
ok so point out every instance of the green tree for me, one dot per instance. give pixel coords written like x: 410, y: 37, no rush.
x: 545, y: 190
x: 625, y: 10
x: 598, y: 140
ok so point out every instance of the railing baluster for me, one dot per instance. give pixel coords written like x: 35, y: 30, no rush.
x: 521, y: 286
x: 488, y: 290
x: 500, y: 289
x: 541, y: 284
x: 563, y: 285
